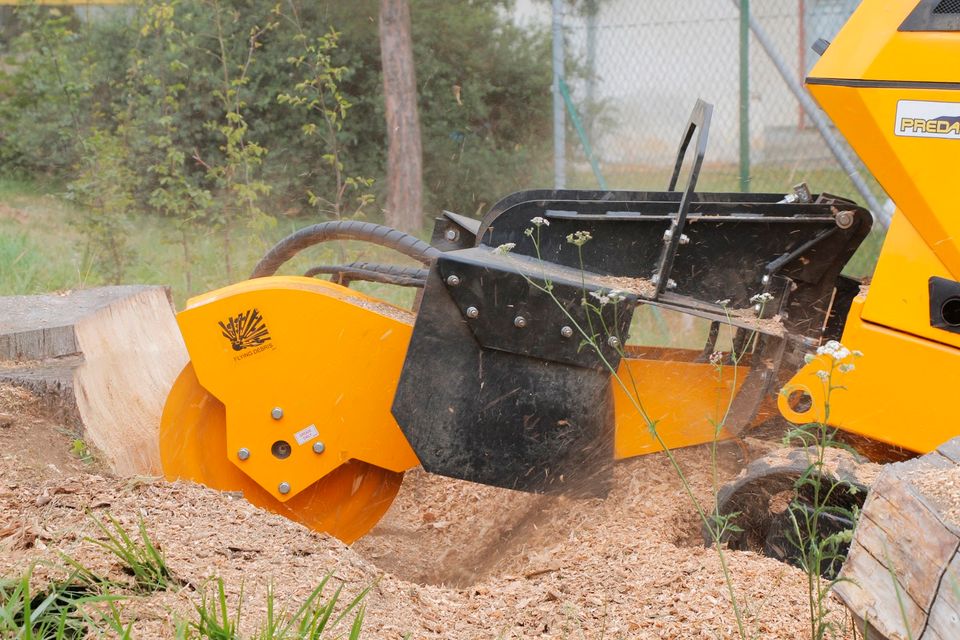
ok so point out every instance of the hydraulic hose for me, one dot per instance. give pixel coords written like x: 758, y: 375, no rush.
x: 379, y: 234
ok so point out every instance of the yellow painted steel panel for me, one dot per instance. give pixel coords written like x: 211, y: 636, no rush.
x: 918, y: 173
x: 326, y: 357
x: 899, y: 296
x: 685, y: 399
x: 901, y: 392
x: 870, y: 47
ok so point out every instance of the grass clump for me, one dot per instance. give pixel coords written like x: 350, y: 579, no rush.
x: 53, y: 613
x: 314, y: 619
x: 141, y: 558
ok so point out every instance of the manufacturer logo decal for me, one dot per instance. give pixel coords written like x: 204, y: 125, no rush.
x: 246, y: 331
x: 918, y: 119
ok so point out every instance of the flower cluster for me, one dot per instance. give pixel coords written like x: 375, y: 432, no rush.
x: 608, y: 297
x: 505, y: 248
x: 540, y: 222
x: 579, y: 238
x: 761, y: 298
x: 716, y: 358
x: 837, y: 354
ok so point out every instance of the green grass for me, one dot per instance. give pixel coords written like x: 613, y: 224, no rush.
x: 140, y: 557
x: 316, y: 618
x: 47, y: 253
x: 55, y: 612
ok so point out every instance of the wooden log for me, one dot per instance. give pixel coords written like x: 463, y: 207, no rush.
x: 102, y: 360
x: 902, y: 575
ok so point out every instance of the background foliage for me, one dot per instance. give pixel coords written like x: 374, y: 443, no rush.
x: 160, y: 79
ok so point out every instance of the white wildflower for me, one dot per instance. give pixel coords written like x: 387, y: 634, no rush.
x: 579, y: 238
x: 724, y: 302
x: 857, y: 354
x: 505, y: 248
x: 761, y: 298
x: 540, y: 222
x: 716, y: 358
x: 808, y: 358
x: 617, y: 296
x: 528, y: 232
x: 601, y: 297
x: 846, y: 367
x: 835, y: 350
x: 823, y: 375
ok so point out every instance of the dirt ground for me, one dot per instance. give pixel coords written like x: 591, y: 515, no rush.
x: 450, y: 560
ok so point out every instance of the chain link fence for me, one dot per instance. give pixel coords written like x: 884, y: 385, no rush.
x: 635, y: 69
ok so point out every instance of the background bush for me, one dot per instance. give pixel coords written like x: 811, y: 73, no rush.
x: 159, y: 79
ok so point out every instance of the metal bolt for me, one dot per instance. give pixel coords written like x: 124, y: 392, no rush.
x: 614, y: 342
x: 284, y: 488
x: 318, y: 447
x: 845, y: 219
x: 453, y: 280
x: 243, y: 453
x: 519, y: 322
x: 472, y: 312
x: 566, y: 332
x: 671, y: 283
x: 667, y: 235
x: 451, y: 235
x: 277, y: 413
x: 684, y: 239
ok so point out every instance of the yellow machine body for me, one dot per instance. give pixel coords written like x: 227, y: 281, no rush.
x: 895, y: 95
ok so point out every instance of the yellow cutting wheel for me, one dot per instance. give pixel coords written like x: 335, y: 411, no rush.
x: 317, y: 373
x: 346, y: 503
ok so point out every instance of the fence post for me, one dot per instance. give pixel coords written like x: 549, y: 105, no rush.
x: 744, y: 95
x: 559, y: 123
x: 819, y: 120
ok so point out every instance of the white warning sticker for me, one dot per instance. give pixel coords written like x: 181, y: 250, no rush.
x: 306, y: 434
x: 920, y: 119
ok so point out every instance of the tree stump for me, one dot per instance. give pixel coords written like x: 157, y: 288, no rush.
x: 101, y: 360
x: 902, y: 576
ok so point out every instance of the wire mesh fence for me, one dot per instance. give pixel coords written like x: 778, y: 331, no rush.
x: 635, y: 70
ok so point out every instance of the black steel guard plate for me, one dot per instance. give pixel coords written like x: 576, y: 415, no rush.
x: 501, y: 415
x: 507, y: 290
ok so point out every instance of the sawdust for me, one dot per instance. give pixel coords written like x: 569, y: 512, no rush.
x: 639, y: 286
x: 451, y: 559
x: 942, y: 487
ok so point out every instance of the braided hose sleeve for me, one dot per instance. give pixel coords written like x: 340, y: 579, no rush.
x: 379, y: 234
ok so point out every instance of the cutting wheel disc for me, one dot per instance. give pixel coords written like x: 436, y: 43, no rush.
x: 345, y: 503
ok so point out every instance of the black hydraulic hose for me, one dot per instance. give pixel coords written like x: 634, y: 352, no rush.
x: 372, y: 272
x: 404, y: 243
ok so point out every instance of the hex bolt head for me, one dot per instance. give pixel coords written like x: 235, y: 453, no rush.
x: 319, y: 447
x: 453, y: 280
x: 472, y: 312
x: 684, y: 238
x: 276, y: 413
x: 519, y: 322
x: 451, y: 234
x: 845, y: 219
x: 566, y: 332
x: 284, y: 488
x: 613, y: 342
x: 243, y: 453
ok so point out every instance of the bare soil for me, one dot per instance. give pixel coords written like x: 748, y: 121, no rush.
x: 450, y: 560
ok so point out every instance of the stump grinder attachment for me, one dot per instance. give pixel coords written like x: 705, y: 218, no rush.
x: 312, y: 399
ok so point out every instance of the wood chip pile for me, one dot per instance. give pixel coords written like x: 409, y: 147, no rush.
x: 451, y: 559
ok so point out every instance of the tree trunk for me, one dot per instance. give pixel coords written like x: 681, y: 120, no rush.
x: 404, y: 156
